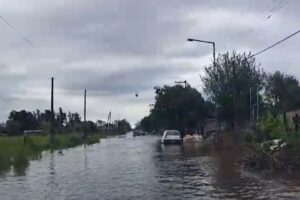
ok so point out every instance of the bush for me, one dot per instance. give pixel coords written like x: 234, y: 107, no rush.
x: 75, y: 140
x: 249, y: 136
x: 271, y: 127
x: 15, y: 153
x: 93, y: 139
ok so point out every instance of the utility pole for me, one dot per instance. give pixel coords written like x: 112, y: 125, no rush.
x: 52, y: 110
x: 214, y: 53
x: 250, y: 106
x: 257, y: 104
x: 84, y: 114
x: 214, y: 64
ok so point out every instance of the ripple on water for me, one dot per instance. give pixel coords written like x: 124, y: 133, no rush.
x: 139, y: 168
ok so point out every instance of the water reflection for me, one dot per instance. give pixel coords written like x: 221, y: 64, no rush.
x: 141, y: 168
x: 20, y: 165
x: 228, y: 181
x: 183, y: 170
x: 4, y: 165
x: 52, y: 184
x: 85, y: 158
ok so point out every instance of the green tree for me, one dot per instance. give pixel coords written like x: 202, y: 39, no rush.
x: 228, y: 84
x: 61, y: 120
x: 176, y: 107
x: 74, y: 122
x: 91, y: 127
x: 73, y: 118
x: 282, y: 93
x: 123, y: 126
x: 18, y: 121
x: 46, y: 116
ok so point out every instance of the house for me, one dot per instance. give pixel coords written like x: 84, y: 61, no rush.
x: 211, y: 126
x: 101, y: 124
x: 294, y: 116
x: 291, y: 114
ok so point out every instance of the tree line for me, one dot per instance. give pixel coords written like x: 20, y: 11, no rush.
x: 237, y: 90
x: 19, y: 121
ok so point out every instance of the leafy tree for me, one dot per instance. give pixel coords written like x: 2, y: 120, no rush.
x: 146, y: 124
x: 176, y: 107
x: 74, y: 118
x: 91, y: 127
x: 123, y: 126
x: 18, y: 121
x: 228, y: 84
x: 46, y: 116
x: 282, y: 93
x: 14, y: 127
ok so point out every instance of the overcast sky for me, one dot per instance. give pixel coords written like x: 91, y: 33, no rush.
x: 115, y: 48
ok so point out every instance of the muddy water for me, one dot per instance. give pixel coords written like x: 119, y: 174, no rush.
x: 141, y: 168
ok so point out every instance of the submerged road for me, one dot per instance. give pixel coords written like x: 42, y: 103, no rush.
x: 140, y: 168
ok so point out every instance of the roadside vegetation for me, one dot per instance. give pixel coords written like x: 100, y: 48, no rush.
x: 60, y: 123
x: 260, y: 111
x: 272, y: 148
x: 14, y: 152
x: 25, y: 135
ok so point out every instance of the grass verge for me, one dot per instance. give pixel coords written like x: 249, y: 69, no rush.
x: 15, y: 153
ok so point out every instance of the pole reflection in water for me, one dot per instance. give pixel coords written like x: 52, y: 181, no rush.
x: 85, y: 159
x: 141, y: 168
x: 52, y: 184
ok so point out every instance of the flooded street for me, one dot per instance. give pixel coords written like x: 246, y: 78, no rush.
x: 139, y: 168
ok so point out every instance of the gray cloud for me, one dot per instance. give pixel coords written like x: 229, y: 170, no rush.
x: 116, y: 47
x: 122, y: 81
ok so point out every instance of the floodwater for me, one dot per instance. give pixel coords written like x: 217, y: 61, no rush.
x: 140, y: 168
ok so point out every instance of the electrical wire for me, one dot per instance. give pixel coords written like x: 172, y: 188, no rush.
x: 22, y: 36
x: 273, y: 8
x: 275, y: 44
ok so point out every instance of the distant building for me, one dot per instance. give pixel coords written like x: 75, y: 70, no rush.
x: 211, y: 126
x: 101, y: 124
x: 32, y: 132
x: 292, y: 114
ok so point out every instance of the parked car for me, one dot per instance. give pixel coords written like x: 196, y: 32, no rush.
x: 171, y: 137
x: 138, y: 133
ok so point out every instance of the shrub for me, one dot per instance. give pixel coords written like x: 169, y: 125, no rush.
x: 271, y: 127
x: 249, y: 137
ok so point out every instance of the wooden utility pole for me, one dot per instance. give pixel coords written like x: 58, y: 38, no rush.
x: 250, y: 106
x: 257, y: 104
x: 52, y: 110
x: 84, y: 113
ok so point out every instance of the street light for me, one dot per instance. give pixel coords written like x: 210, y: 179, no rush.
x: 209, y: 42
x: 214, y: 63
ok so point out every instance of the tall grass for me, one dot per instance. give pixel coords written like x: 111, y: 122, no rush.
x: 15, y: 153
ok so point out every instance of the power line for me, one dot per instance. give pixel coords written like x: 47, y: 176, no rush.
x: 270, y: 10
x: 23, y: 37
x: 275, y: 44
x: 263, y: 15
x: 265, y: 10
x: 255, y: 20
